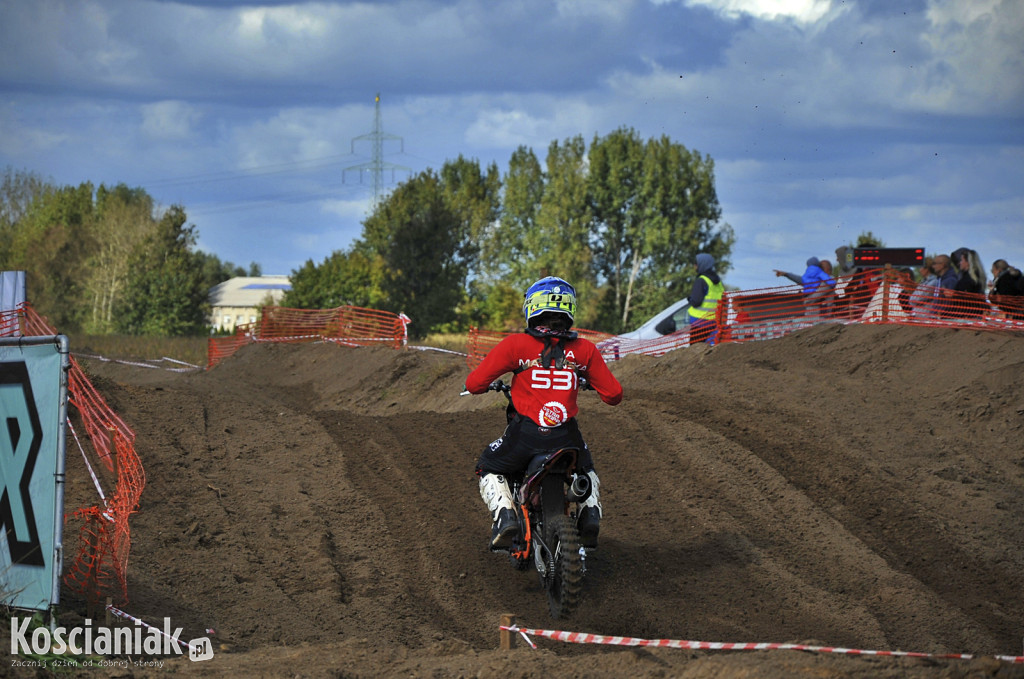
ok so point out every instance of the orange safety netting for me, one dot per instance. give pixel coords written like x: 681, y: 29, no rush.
x: 872, y: 296
x: 100, y: 566
x: 352, y: 326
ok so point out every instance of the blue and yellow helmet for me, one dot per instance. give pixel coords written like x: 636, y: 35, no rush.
x: 550, y: 294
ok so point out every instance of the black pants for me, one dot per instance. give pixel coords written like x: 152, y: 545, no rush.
x: 523, y: 439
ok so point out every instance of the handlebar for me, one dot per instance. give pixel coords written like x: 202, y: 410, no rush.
x: 499, y: 385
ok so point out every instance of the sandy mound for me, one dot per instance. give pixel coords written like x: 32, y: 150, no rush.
x: 851, y: 486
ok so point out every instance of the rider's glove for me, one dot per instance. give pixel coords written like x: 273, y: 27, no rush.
x: 496, y: 385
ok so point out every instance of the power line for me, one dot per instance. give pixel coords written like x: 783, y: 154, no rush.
x: 257, y: 171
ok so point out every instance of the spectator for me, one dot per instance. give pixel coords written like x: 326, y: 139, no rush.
x: 1007, y: 289
x: 922, y: 299
x: 796, y: 278
x: 819, y: 288
x: 972, y: 273
x: 707, y: 291
x: 844, y: 261
x: 944, y: 272
x: 1006, y: 280
x: 825, y: 265
x: 971, y: 280
x: 947, y: 280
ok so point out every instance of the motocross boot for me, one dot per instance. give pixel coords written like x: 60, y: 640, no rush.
x: 494, y: 491
x: 589, y: 522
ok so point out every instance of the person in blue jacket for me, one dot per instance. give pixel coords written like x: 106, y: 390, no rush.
x: 819, y: 288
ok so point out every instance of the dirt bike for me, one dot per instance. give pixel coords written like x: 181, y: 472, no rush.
x: 543, y: 497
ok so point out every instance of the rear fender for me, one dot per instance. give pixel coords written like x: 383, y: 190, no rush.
x: 561, y: 463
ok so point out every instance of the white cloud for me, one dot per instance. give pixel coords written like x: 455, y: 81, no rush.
x: 975, y: 61
x: 800, y: 11
x: 613, y: 10
x: 355, y: 210
x: 168, y: 120
x: 265, y: 24
x: 504, y: 128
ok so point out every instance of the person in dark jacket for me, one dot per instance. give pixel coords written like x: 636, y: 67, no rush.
x: 944, y: 272
x: 704, y: 297
x: 1006, y: 289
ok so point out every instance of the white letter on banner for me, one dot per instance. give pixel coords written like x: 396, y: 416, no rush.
x: 173, y: 638
x: 57, y: 645
x: 18, y: 639
x: 75, y: 648
x: 101, y: 642
x: 153, y: 644
x: 40, y: 640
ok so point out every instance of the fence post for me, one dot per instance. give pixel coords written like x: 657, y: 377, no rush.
x: 724, y: 333
x: 507, y: 638
x: 886, y: 291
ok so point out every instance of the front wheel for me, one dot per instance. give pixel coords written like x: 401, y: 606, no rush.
x: 564, y: 580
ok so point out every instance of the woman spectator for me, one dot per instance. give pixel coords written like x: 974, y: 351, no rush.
x: 972, y: 280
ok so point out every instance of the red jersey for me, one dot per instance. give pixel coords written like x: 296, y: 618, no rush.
x: 546, y: 395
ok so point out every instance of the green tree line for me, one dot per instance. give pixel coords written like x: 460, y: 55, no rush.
x: 623, y: 220
x: 106, y: 260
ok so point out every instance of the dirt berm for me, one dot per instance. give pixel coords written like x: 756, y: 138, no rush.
x: 851, y: 486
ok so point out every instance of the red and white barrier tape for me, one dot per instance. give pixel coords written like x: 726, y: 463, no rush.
x: 584, y: 638
x: 127, y: 616
x: 149, y: 363
x: 92, y: 473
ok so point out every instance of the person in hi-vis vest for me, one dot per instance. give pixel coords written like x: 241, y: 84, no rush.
x: 704, y: 298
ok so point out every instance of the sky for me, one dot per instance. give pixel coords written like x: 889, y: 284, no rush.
x: 825, y: 119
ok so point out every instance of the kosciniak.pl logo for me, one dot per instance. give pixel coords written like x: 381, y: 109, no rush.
x: 98, y: 640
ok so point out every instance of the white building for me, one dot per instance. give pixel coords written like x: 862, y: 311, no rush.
x: 236, y: 301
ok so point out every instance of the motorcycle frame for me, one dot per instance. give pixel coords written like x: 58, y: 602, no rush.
x: 532, y: 499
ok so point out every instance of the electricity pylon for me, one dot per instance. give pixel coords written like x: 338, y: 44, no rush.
x: 377, y: 164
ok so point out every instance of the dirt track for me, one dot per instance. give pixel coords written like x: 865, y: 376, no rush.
x: 850, y: 486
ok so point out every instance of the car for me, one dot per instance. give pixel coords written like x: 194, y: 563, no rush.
x: 666, y: 330
x: 748, y: 315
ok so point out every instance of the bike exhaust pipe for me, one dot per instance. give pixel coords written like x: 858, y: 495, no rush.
x: 579, y: 489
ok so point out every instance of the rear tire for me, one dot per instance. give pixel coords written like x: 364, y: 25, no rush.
x: 564, y: 583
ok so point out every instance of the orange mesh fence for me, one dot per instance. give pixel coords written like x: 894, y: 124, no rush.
x: 100, y: 566
x: 872, y: 296
x: 352, y: 326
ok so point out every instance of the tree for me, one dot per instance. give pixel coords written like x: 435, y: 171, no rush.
x: 216, y: 271
x: 124, y: 218
x: 505, y: 261
x: 417, y: 235
x: 474, y: 199
x: 869, y: 240
x: 654, y: 209
x: 353, y: 277
x: 165, y: 293
x: 18, y: 190
x: 560, y: 245
x: 52, y: 242
x: 614, y: 191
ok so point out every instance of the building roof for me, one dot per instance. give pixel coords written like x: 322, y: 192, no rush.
x: 248, y: 291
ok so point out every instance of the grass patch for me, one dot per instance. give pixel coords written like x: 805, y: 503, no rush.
x: 137, y: 347
x: 450, y: 341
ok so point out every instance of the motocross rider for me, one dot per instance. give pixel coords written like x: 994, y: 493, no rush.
x: 546, y: 361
